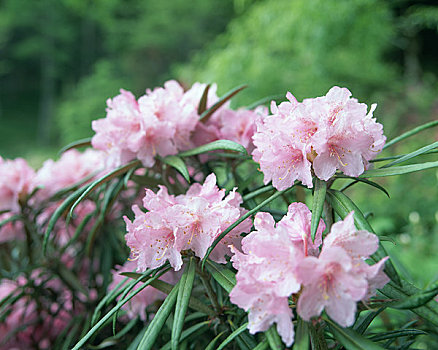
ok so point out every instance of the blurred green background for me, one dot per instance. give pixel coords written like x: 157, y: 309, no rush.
x: 61, y: 59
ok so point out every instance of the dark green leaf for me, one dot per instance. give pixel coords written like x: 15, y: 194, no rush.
x: 396, y: 334
x: 157, y: 322
x: 208, y: 113
x: 212, y: 344
x: 225, y: 277
x: 301, y: 341
x: 233, y: 335
x: 10, y: 219
x: 411, y: 133
x: 362, y: 326
x: 264, y: 345
x: 418, y: 299
x: 182, y: 302
x: 213, y: 146
x: 257, y: 192
x: 76, y: 144
x: 399, y: 170
x: 318, y: 205
x: 356, y: 180
x: 203, y: 102
x: 188, y: 332
x: 350, y: 339
x: 178, y: 164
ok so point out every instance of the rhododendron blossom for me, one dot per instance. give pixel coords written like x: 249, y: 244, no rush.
x: 16, y: 182
x: 329, y: 133
x: 185, y: 222
x: 280, y: 260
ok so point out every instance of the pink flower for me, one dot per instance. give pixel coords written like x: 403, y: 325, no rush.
x: 137, y: 305
x: 330, y: 133
x: 12, y: 230
x: 191, y: 221
x: 70, y: 169
x: 16, y: 182
x: 331, y: 282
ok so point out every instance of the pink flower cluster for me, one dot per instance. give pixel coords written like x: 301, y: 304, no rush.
x: 137, y: 305
x: 185, y: 222
x: 280, y: 260
x: 324, y: 134
x: 165, y: 121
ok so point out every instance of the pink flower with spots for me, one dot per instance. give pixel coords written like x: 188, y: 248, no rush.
x: 16, y: 183
x: 266, y: 274
x: 186, y: 222
x: 329, y: 133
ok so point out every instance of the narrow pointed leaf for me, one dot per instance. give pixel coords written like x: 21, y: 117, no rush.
x: 266, y: 100
x: 182, y: 302
x: 177, y: 163
x: 225, y: 277
x: 264, y: 345
x: 157, y: 322
x: 76, y: 144
x: 399, y: 170
x: 366, y: 181
x: 10, y: 219
x: 417, y: 300
x: 214, y: 146
x: 241, y: 219
x: 108, y: 177
x: 362, y: 326
x: 302, y: 336
x: 60, y: 212
x: 343, y: 205
x: 208, y: 113
x: 411, y: 133
x: 108, y: 316
x: 203, y: 102
x: 318, y: 205
x: 350, y: 339
x: 233, y: 335
x: 397, y: 334
x: 257, y: 192
x: 212, y: 344
x: 274, y: 339
x: 411, y: 155
x: 193, y: 330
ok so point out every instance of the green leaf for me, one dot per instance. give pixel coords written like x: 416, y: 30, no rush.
x: 318, y: 204
x: 121, y: 302
x: 397, y: 334
x: 208, y: 113
x: 10, y: 219
x: 241, y: 219
x: 182, y: 302
x: 264, y: 345
x: 157, y: 322
x: 343, y: 205
x: 178, y: 164
x: 203, y: 102
x: 76, y: 144
x: 418, y: 299
x: 350, y: 339
x: 211, y: 345
x: 188, y: 332
x: 225, y: 277
x: 257, y: 192
x: 356, y: 180
x: 399, y: 170
x: 108, y: 177
x: 411, y: 155
x: 411, y: 133
x: 362, y: 326
x: 213, y: 146
x: 233, y: 335
x: 274, y: 339
x: 301, y: 341
x: 59, y: 212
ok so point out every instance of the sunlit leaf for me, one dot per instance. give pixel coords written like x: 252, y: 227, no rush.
x: 76, y: 144
x: 418, y: 299
x: 399, y: 170
x: 177, y: 163
x: 233, y: 335
x: 213, y: 146
x: 274, y: 339
x: 411, y: 133
x: 411, y: 155
x: 225, y: 277
x: 302, y: 337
